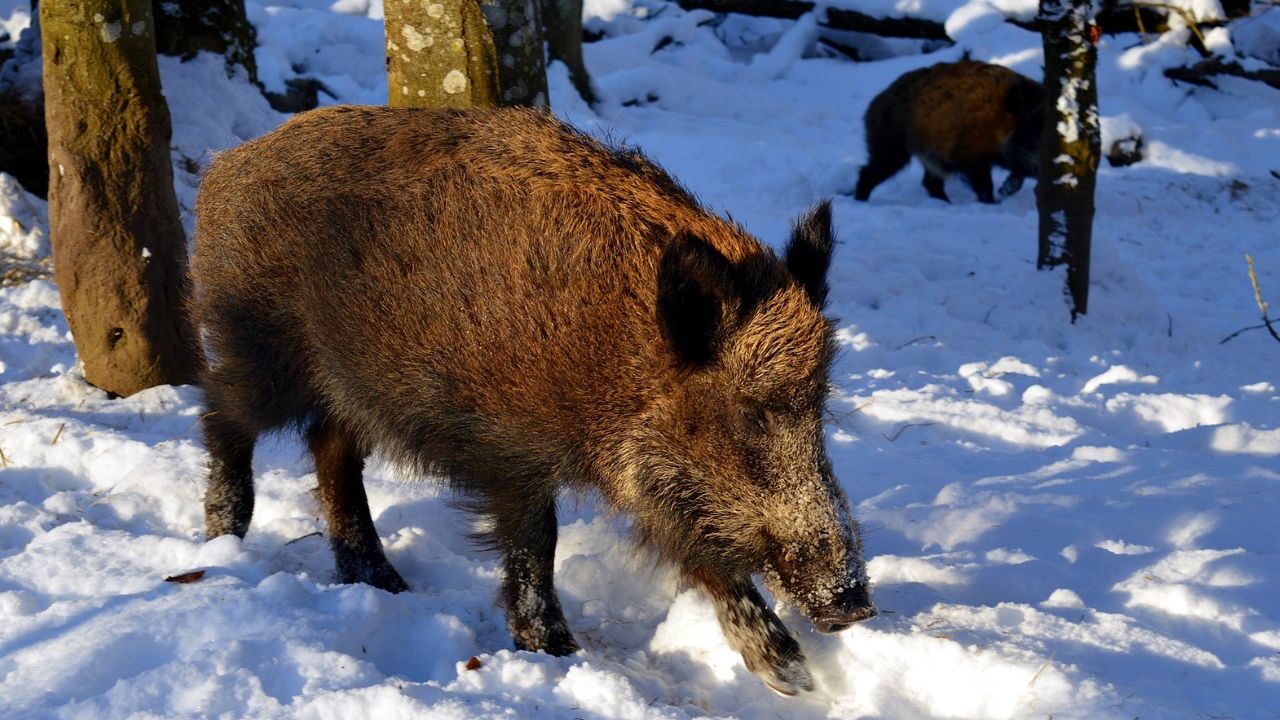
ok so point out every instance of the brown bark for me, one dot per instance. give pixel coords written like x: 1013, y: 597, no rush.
x: 22, y: 141
x: 119, y: 249
x: 1071, y: 146
x: 563, y: 22
x: 22, y: 135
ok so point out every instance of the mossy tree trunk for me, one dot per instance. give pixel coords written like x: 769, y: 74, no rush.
x: 186, y: 27
x: 1072, y: 143
x: 563, y: 22
x: 118, y: 246
x: 464, y: 53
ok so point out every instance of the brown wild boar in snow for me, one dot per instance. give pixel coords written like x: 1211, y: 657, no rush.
x: 498, y: 300
x: 955, y: 117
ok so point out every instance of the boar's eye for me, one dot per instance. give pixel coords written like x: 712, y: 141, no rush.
x: 763, y: 419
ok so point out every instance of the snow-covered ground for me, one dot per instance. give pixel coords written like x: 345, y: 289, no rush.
x: 1066, y: 521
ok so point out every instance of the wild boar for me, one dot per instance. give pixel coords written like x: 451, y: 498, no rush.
x: 955, y: 117
x: 497, y: 300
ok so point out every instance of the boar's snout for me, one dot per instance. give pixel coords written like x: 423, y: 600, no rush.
x: 851, y: 605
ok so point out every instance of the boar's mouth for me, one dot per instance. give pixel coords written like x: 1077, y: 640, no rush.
x: 851, y: 605
x: 830, y: 603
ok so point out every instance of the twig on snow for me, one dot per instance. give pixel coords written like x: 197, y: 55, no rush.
x: 1046, y: 664
x: 1257, y: 296
x: 1262, y: 305
x: 1242, y: 330
x: 913, y: 341
x: 903, y: 429
x: 304, y: 537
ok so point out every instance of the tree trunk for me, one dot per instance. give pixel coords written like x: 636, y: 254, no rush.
x: 22, y: 135
x: 446, y: 54
x: 118, y: 246
x: 217, y: 26
x: 522, y: 65
x: 563, y: 22
x: 1072, y: 143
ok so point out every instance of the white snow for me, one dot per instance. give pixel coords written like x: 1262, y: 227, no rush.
x: 22, y: 221
x: 1067, y: 521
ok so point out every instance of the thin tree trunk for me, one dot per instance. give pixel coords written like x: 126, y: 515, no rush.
x: 118, y: 246
x: 464, y: 54
x: 217, y: 26
x: 517, y: 35
x: 1072, y: 143
x: 563, y: 22
x: 22, y: 135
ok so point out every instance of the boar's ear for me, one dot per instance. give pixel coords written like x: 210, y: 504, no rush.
x: 809, y: 252
x: 696, y: 290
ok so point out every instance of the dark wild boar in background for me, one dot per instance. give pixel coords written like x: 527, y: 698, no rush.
x: 499, y: 300
x: 955, y: 117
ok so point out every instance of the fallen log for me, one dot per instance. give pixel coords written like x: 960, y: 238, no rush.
x: 1203, y: 72
x: 837, y: 19
x: 1112, y: 18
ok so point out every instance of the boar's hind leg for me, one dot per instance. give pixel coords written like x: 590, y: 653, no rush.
x: 979, y: 177
x: 1012, y: 184
x: 752, y: 629
x: 934, y: 184
x: 228, y: 502
x: 357, y: 551
x: 883, y: 162
x: 527, y: 537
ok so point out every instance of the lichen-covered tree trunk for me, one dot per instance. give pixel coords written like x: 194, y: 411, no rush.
x: 464, y: 53
x: 186, y: 27
x: 118, y: 246
x: 1072, y: 143
x: 563, y: 22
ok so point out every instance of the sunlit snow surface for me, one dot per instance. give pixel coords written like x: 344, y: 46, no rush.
x: 1062, y: 521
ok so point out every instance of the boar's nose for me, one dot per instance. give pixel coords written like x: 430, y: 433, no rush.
x: 851, y: 606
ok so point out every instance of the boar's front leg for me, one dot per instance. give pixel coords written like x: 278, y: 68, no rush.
x: 935, y: 184
x: 752, y: 629
x: 357, y: 552
x: 526, y: 532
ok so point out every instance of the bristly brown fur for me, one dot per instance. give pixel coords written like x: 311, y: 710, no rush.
x: 955, y: 117
x: 499, y: 299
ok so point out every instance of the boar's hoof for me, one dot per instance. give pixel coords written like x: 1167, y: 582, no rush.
x: 386, y: 578
x: 788, y: 677
x: 557, y: 641
x: 781, y: 665
x: 380, y: 575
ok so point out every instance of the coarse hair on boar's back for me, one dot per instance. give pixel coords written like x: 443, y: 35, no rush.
x: 497, y: 299
x: 955, y: 117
